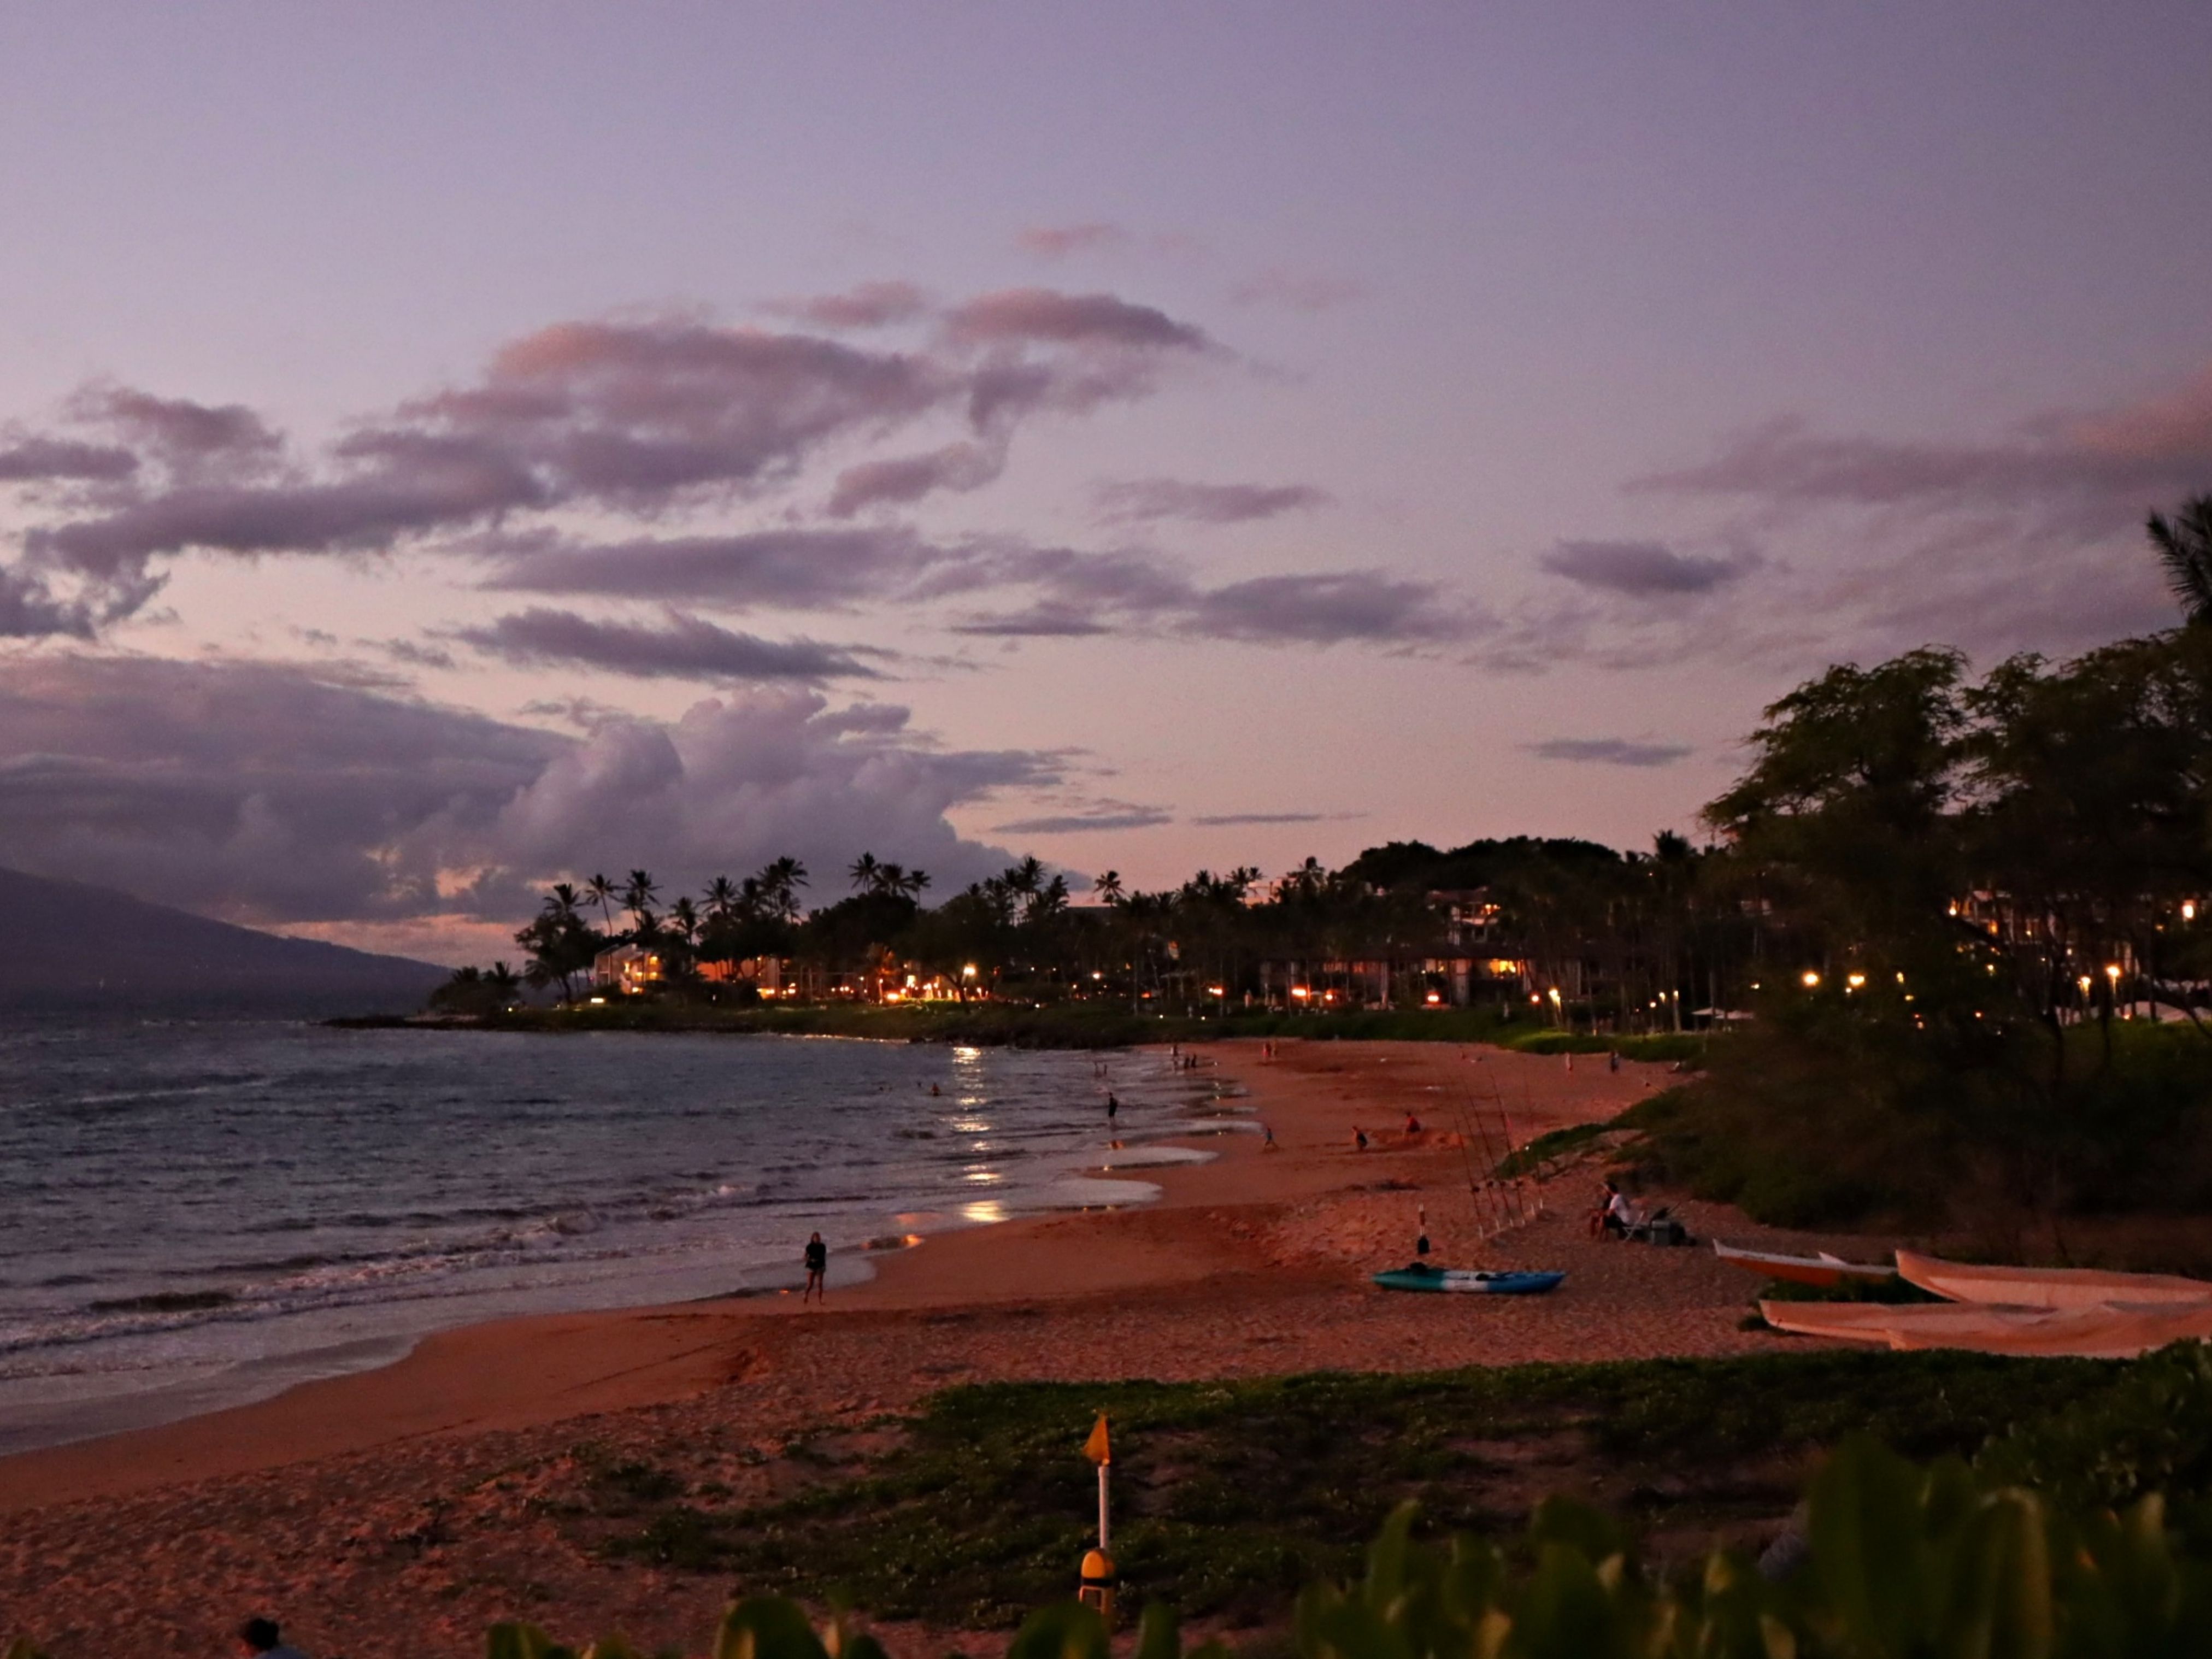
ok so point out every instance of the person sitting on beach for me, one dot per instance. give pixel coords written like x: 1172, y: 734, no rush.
x: 1615, y: 1215
x: 259, y: 1638
x: 817, y: 1267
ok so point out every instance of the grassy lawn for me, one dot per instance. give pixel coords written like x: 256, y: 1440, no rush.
x: 1230, y: 1496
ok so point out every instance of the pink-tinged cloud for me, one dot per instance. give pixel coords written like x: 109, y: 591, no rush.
x: 1146, y: 501
x: 636, y: 418
x: 2084, y: 472
x: 1643, y: 570
x: 868, y: 305
x: 901, y: 480
x: 1059, y: 241
x: 41, y: 460
x: 685, y: 647
x: 1047, y: 316
x: 265, y: 793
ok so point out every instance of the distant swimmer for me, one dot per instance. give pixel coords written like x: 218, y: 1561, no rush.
x: 1359, y: 1140
x: 817, y: 1265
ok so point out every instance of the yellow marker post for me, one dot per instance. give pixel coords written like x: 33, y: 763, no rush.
x: 1099, y: 1579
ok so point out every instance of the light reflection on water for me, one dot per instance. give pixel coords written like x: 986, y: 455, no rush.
x: 179, y: 1200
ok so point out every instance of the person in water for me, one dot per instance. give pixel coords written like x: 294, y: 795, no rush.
x: 1113, y: 1106
x: 1358, y: 1139
x: 817, y: 1267
x: 1421, y: 1239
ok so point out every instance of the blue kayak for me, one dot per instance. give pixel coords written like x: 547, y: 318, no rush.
x: 1467, y: 1281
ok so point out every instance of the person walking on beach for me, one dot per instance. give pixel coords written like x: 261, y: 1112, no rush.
x: 817, y: 1265
x: 259, y: 1638
x: 1113, y: 1107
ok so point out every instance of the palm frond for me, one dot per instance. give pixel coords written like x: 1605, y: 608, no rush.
x: 2184, y: 543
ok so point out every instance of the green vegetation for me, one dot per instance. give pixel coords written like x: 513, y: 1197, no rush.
x: 2040, y: 1529
x: 1231, y: 1495
x: 1899, y: 1561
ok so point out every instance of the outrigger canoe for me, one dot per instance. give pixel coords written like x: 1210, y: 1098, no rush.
x: 2046, y: 1287
x: 1825, y: 1270
x: 2113, y: 1330
x: 1467, y: 1281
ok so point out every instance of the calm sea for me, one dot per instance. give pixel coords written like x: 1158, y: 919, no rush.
x: 194, y: 1215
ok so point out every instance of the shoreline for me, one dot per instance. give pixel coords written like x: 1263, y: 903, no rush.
x: 400, y: 1511
x: 519, y: 1371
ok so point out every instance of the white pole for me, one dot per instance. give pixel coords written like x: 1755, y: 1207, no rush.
x: 1105, y: 1546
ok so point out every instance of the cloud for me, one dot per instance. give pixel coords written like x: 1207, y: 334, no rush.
x: 1145, y: 500
x: 2083, y: 472
x: 1608, y: 751
x: 645, y: 419
x: 261, y: 792
x: 1229, y: 820
x: 1044, y: 314
x: 688, y: 647
x: 1073, y: 824
x: 1296, y: 291
x: 869, y: 305
x: 1332, y: 608
x: 905, y: 479
x: 1643, y: 569
x: 1058, y: 242
x: 190, y: 438
x: 33, y: 460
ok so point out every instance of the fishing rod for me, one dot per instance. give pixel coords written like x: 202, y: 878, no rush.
x: 1467, y: 1158
x: 1490, y: 1157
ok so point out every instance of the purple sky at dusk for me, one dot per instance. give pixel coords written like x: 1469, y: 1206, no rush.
x: 447, y: 449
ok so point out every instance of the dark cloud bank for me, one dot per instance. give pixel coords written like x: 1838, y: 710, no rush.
x: 265, y: 793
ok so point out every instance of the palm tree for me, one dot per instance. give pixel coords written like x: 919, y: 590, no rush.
x: 779, y: 884
x: 914, y: 883
x: 685, y: 915
x: 2184, y: 547
x: 504, y: 982
x: 721, y: 898
x: 1109, y: 887
x: 562, y: 901
x: 1026, y: 877
x: 638, y: 896
x: 890, y: 878
x: 864, y: 874
x: 602, y: 890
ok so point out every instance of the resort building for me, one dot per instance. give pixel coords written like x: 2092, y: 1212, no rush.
x: 630, y: 969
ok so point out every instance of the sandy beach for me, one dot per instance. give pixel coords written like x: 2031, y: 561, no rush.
x: 400, y: 1511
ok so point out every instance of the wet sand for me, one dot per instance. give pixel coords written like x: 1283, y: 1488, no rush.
x: 399, y: 1510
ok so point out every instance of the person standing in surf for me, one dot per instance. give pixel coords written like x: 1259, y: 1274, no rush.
x: 817, y: 1267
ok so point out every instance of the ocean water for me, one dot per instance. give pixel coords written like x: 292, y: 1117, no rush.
x: 199, y: 1215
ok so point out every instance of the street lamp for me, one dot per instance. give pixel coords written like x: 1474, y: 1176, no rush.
x: 1809, y: 979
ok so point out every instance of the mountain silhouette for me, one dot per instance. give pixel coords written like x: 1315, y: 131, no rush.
x: 65, y: 946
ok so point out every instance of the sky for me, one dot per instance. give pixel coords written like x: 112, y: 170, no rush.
x: 447, y: 450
